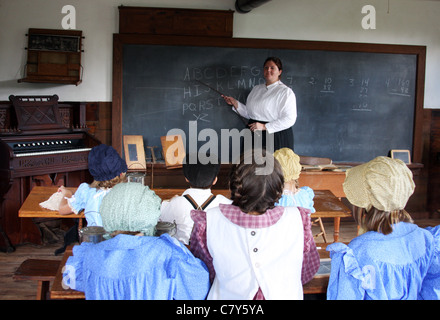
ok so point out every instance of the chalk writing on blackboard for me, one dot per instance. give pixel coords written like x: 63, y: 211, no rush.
x: 327, y: 88
x: 399, y: 87
x: 312, y: 81
x: 363, y: 104
x: 237, y: 81
x: 199, y: 100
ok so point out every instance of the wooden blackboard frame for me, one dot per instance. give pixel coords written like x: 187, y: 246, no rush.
x: 119, y: 40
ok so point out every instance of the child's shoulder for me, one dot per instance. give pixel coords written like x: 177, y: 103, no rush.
x: 222, y: 199
x: 84, y: 185
x: 84, y: 188
x: 307, y: 190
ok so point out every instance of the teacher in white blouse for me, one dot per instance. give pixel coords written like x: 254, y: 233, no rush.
x: 270, y: 107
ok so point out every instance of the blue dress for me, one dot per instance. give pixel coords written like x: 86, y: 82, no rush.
x: 136, y: 268
x: 303, y: 198
x: 403, y: 265
x: 89, y: 199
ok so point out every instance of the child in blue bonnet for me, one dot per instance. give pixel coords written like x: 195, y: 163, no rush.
x: 392, y: 259
x: 107, y: 169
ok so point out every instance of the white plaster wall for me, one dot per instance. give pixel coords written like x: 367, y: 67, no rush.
x: 410, y: 22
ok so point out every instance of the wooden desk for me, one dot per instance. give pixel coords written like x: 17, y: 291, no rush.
x: 57, y: 291
x: 173, y: 178
x: 327, y: 205
x: 323, y: 180
x: 315, y: 286
x: 31, y: 206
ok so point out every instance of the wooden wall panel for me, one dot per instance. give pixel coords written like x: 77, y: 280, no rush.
x: 434, y: 164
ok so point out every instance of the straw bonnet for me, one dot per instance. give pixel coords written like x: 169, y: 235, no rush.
x: 383, y: 183
x: 130, y: 207
x: 289, y: 162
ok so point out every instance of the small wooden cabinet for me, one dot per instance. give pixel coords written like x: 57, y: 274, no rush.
x: 54, y: 56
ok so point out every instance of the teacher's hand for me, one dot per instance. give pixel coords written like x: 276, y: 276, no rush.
x: 257, y: 126
x: 231, y: 101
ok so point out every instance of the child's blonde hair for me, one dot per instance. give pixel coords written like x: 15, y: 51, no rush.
x: 109, y: 183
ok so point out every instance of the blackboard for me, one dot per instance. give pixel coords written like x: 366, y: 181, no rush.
x: 352, y: 105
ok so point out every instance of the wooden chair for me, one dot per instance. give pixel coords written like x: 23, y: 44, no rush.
x: 321, y: 226
x: 306, y: 160
x: 43, y: 271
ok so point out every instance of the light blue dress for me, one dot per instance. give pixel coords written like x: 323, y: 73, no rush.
x: 403, y: 265
x: 137, y: 268
x: 90, y: 200
x: 303, y: 198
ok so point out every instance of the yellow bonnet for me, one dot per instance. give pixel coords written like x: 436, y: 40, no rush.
x: 289, y: 162
x: 383, y: 183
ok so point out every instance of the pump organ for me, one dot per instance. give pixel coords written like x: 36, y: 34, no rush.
x: 42, y: 142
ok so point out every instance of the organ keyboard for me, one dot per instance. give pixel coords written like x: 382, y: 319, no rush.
x: 41, y: 142
x: 40, y: 153
x: 48, y: 145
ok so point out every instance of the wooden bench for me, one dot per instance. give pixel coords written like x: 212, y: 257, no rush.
x: 43, y: 271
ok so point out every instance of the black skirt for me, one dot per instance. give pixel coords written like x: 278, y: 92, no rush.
x: 282, y: 139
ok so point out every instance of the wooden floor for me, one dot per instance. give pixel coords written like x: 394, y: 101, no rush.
x: 26, y: 290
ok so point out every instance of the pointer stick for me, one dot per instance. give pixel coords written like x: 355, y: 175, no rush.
x: 207, y: 85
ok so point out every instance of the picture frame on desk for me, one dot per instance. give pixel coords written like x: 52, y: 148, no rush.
x: 403, y: 155
x: 134, y: 152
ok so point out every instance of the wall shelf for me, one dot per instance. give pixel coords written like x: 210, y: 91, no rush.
x: 54, y: 56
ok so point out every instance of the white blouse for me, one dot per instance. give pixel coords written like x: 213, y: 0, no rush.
x: 178, y: 210
x: 275, y: 104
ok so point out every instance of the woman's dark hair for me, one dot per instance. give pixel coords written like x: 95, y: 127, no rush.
x: 275, y: 60
x: 257, y: 182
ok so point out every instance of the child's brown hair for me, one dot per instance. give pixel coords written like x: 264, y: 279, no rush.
x: 257, y: 182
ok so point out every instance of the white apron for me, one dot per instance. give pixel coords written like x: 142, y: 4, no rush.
x: 245, y: 259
